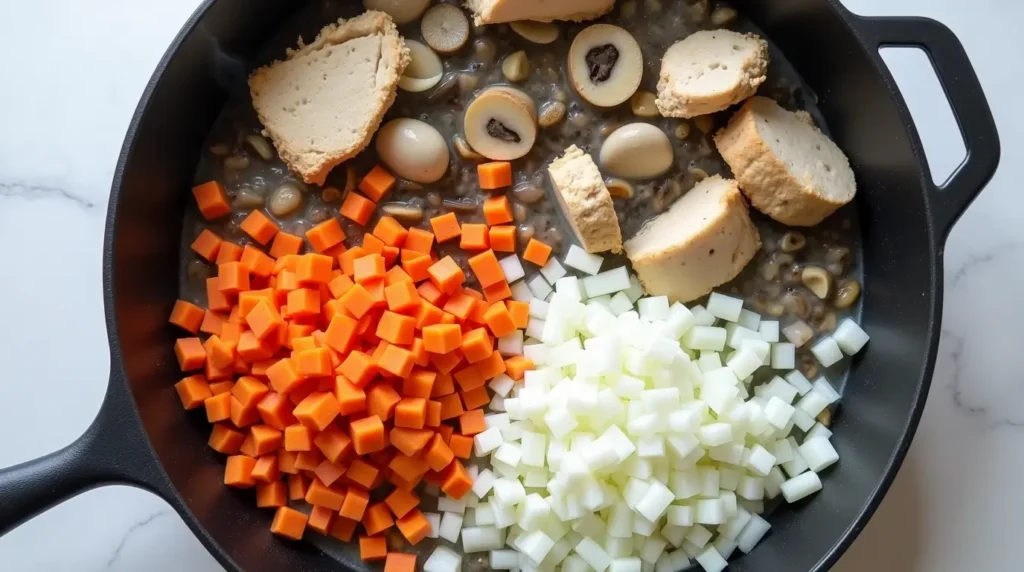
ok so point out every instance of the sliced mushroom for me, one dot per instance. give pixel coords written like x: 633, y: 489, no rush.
x: 501, y: 123
x: 516, y: 66
x: 445, y: 28
x: 285, y: 200
x: 642, y: 104
x: 817, y: 280
x: 723, y: 16
x: 793, y: 241
x: 466, y: 152
x: 401, y: 11
x: 536, y: 32
x: 237, y: 162
x: 551, y: 113
x: 413, y: 150
x: 637, y: 151
x: 528, y: 192
x: 404, y: 212
x: 605, y: 65
x: 330, y: 194
x: 847, y: 294
x: 620, y: 189
x: 261, y: 146
x: 424, y: 70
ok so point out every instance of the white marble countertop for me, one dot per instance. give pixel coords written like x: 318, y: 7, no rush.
x: 72, y: 74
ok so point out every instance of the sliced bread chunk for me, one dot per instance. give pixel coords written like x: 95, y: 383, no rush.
x: 710, y: 70
x: 322, y: 105
x: 786, y: 166
x: 702, y: 241
x: 499, y: 11
x: 585, y: 201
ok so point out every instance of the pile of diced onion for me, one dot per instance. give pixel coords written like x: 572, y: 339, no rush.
x: 641, y: 441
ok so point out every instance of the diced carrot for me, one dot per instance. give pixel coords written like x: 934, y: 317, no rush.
x: 497, y: 292
x: 190, y: 353
x: 476, y: 345
x: 348, y: 258
x: 446, y: 275
x: 343, y: 528
x: 487, y: 269
x: 358, y: 301
x: 537, y: 252
x: 377, y: 183
x: 362, y: 473
x: 264, y: 319
x: 500, y: 320
x: 259, y: 227
x: 339, y: 285
x: 414, y: 527
x: 390, y: 231
x: 368, y: 435
x: 368, y: 268
x: 229, y: 252
x: 438, y: 455
x: 238, y: 471
x: 207, y: 244
x: 475, y: 398
x: 333, y: 443
x: 315, y: 362
x: 289, y: 523
x: 356, y: 501
x: 276, y: 410
x: 458, y: 482
x: 520, y: 312
x: 224, y: 439
x: 265, y: 470
x: 357, y: 208
x: 396, y: 361
x: 297, y: 487
x: 474, y: 237
x: 472, y: 423
x: 497, y: 210
x: 396, y: 275
x: 399, y: 562
x: 283, y: 376
x: 232, y: 278
x: 272, y: 495
x: 446, y: 432
x: 445, y: 227
x: 517, y: 366
x: 494, y: 175
x: 341, y: 332
x: 468, y: 378
x: 411, y: 413
x: 314, y: 268
x: 320, y: 519
x: 216, y: 300
x: 241, y: 415
x: 401, y: 502
x: 249, y: 390
x: 212, y: 200
x: 402, y: 296
x: 491, y: 366
x: 285, y: 244
x: 451, y: 406
x: 372, y: 245
x: 428, y: 315
x: 396, y: 328
x: 419, y: 383
x: 219, y: 387
x: 212, y: 323
x: 433, y: 413
x: 502, y: 238
x: 381, y: 400
x: 298, y: 438
x: 444, y: 363
x: 409, y: 468
x: 325, y: 235
x: 410, y: 441
x: 419, y: 240
x: 303, y: 303
x: 431, y: 293
x: 193, y: 391
x: 377, y: 518
x: 417, y: 267
x: 372, y: 548
x: 323, y: 495
x: 317, y: 411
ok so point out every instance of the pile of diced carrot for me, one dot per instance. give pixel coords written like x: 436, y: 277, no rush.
x: 347, y: 375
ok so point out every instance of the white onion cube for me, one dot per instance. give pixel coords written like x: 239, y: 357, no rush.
x: 583, y: 261
x: 819, y: 453
x: 512, y: 268
x: 801, y: 486
x: 482, y: 539
x: 711, y: 560
x: 850, y: 337
x: 553, y: 271
x: 752, y: 533
x: 593, y: 554
x: 769, y: 330
x: 540, y: 287
x: 443, y: 560
x: 725, y: 307
x: 451, y: 526
x: 607, y: 282
x: 827, y: 351
x: 783, y: 356
x: 655, y: 501
x: 705, y: 338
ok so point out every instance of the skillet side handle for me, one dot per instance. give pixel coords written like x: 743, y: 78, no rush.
x: 113, y: 450
x: 966, y: 98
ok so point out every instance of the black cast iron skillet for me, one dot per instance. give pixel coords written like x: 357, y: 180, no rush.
x: 142, y: 437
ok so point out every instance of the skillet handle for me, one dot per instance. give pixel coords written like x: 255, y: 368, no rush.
x: 113, y: 450
x: 965, y: 96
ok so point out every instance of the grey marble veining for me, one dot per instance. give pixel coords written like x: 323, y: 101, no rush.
x: 72, y: 74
